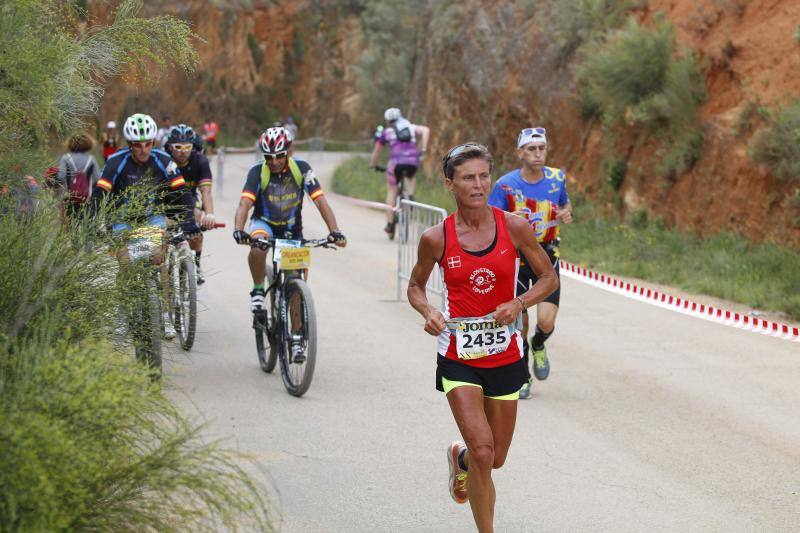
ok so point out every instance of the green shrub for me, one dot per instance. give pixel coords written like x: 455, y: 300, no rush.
x: 637, y: 79
x: 747, y: 117
x: 86, y: 439
x: 778, y: 144
x: 255, y: 50
x: 629, y: 70
x: 680, y: 155
x: 391, y: 29
x: 584, y: 22
x: 639, y: 219
x: 616, y: 172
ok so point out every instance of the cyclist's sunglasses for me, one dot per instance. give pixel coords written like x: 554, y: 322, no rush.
x: 145, y: 144
x: 279, y: 155
x: 181, y: 147
x: 460, y: 149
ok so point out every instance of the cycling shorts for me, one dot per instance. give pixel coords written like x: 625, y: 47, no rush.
x: 260, y: 230
x: 154, y: 220
x: 526, y: 278
x: 399, y: 171
x: 498, y: 383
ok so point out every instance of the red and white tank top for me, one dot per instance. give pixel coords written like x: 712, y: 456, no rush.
x: 475, y: 284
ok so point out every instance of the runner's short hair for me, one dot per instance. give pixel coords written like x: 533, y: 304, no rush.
x: 463, y: 152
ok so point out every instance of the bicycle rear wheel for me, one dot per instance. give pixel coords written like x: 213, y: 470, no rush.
x: 264, y: 331
x: 301, y: 331
x: 185, y: 301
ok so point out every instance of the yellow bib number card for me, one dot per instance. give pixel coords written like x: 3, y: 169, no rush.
x: 295, y: 258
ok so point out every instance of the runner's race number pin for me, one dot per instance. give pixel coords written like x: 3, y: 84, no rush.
x: 480, y: 337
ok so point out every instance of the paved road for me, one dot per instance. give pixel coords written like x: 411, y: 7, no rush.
x: 650, y: 420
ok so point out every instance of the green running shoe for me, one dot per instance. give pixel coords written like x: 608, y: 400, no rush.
x: 541, y: 364
x: 525, y: 391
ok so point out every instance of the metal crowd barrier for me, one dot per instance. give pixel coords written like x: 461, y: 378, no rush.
x: 414, y: 219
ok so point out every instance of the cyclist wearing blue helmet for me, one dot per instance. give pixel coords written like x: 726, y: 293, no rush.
x: 194, y: 166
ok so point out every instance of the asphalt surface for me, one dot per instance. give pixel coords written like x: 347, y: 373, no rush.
x: 649, y: 421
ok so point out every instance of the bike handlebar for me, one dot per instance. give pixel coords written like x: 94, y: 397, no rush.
x: 178, y: 235
x: 379, y: 168
x: 267, y: 243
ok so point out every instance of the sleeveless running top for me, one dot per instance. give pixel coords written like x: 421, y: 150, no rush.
x: 475, y: 283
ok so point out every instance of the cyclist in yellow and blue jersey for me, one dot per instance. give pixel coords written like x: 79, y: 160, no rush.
x: 275, y: 190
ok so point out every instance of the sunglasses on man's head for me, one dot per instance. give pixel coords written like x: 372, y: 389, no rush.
x: 145, y: 144
x: 181, y: 147
x: 531, y: 131
x: 272, y: 157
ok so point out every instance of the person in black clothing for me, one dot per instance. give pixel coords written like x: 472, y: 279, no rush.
x: 196, y: 171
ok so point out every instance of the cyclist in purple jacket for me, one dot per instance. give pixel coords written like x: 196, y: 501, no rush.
x: 401, y: 136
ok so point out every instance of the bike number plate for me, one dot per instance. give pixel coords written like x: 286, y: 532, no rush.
x: 140, y: 249
x: 481, y: 337
x: 295, y: 258
x: 292, y: 255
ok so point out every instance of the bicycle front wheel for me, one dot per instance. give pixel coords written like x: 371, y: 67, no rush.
x: 186, y: 302
x: 300, y: 341
x: 146, y: 327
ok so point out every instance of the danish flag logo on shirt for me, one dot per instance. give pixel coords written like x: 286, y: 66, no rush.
x: 454, y: 262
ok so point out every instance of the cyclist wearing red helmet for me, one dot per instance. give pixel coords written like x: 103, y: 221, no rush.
x: 275, y: 188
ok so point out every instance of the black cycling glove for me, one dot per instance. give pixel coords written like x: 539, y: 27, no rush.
x: 241, y: 237
x: 190, y: 227
x: 337, y: 236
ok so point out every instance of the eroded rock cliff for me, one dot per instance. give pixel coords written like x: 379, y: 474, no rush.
x: 482, y: 71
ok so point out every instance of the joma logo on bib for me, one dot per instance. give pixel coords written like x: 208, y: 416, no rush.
x: 482, y: 280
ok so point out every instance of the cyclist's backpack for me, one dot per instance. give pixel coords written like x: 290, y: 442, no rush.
x: 78, y: 186
x: 293, y: 168
x: 404, y: 130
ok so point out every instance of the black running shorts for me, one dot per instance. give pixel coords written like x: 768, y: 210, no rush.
x: 495, y: 382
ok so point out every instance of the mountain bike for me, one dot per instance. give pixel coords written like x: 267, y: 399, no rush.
x: 287, y: 330
x: 183, y: 286
x: 144, y: 315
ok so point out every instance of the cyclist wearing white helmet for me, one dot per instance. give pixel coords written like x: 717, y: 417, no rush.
x: 275, y: 188
x: 143, y: 165
x: 401, y: 136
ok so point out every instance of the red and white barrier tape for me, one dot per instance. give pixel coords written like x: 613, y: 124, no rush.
x: 680, y: 305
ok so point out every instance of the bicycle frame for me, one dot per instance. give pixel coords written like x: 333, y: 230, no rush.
x: 277, y: 324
